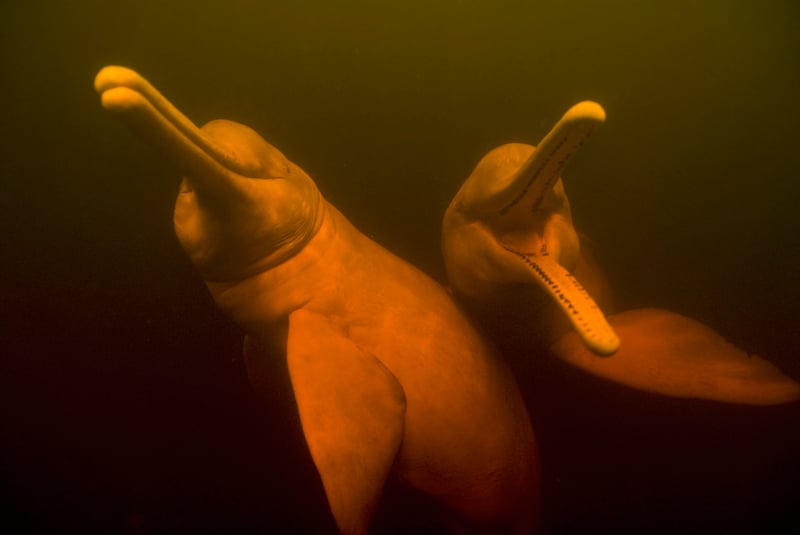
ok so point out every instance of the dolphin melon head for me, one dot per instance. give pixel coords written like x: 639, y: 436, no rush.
x: 243, y: 207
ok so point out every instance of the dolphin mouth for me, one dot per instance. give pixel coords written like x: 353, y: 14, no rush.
x: 148, y: 112
x: 528, y: 191
x: 577, y: 306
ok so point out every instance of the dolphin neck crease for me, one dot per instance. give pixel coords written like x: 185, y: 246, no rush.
x: 293, y: 244
x: 291, y: 280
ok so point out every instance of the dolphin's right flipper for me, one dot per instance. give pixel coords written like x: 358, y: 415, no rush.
x: 352, y: 410
x: 670, y: 354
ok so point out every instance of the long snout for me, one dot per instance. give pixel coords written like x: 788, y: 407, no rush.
x: 540, y: 172
x: 158, y: 122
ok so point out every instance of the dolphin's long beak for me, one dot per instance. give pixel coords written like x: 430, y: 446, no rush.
x: 531, y: 185
x: 161, y: 124
x: 541, y: 171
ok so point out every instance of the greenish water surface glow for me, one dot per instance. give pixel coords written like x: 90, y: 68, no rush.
x: 123, y: 394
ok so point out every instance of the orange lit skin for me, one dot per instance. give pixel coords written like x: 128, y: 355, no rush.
x: 512, y: 255
x: 390, y: 378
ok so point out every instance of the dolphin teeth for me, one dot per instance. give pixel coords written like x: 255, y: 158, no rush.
x: 580, y: 309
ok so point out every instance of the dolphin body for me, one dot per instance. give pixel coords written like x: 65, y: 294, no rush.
x: 513, y: 256
x: 390, y: 378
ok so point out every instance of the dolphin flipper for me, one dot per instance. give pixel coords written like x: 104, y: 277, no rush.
x: 352, y: 410
x: 670, y: 354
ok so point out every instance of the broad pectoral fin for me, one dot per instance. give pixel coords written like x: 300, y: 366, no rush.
x: 352, y: 411
x: 577, y: 305
x: 670, y: 354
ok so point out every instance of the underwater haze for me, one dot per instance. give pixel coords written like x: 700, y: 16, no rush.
x: 125, y: 404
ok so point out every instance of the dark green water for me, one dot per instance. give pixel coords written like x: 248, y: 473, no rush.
x: 123, y: 397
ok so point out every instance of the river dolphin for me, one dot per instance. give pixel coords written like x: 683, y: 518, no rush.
x: 514, y: 258
x: 389, y: 377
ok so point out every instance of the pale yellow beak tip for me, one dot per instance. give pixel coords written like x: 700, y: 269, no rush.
x: 586, y: 111
x: 115, y: 76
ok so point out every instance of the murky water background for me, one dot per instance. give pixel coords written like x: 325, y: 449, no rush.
x: 124, y: 402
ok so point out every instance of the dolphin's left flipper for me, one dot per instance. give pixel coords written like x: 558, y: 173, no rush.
x: 670, y: 354
x: 352, y: 411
